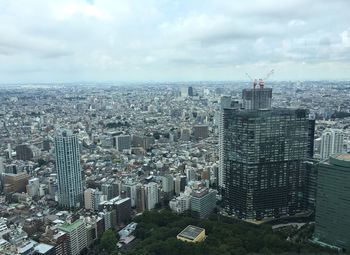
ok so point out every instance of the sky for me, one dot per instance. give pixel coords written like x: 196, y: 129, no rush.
x: 173, y: 40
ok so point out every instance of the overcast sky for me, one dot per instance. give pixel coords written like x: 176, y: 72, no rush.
x: 170, y: 40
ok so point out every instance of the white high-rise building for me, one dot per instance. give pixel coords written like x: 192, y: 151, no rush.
x: 69, y: 172
x: 151, y: 195
x: 332, y: 141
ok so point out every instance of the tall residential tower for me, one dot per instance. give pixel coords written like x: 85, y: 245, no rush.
x: 69, y: 172
x: 332, y: 141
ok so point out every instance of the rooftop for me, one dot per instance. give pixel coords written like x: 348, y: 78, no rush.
x: 43, y: 248
x: 345, y: 156
x: 191, y: 232
x: 68, y: 227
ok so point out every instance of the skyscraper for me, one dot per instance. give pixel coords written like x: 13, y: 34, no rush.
x: 332, y: 141
x: 225, y: 102
x: 264, y: 153
x: 190, y: 91
x: 69, y: 172
x: 259, y: 98
x: 333, y: 205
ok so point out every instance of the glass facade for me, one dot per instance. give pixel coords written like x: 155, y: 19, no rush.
x: 333, y: 202
x: 264, y: 153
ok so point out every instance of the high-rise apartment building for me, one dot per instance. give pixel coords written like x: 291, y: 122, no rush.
x: 333, y: 205
x: 77, y: 236
x: 263, y: 153
x: 69, y: 172
x: 332, y: 142
x: 151, y: 192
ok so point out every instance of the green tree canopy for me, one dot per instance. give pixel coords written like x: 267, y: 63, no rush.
x: 108, y: 241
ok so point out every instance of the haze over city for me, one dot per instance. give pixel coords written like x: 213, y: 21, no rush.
x: 72, y: 41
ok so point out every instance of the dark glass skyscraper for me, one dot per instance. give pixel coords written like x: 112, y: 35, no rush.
x: 333, y: 202
x: 264, y: 153
x: 190, y: 91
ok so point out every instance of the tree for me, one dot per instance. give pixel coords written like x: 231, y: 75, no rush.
x: 108, y: 241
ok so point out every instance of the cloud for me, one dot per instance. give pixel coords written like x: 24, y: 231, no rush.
x: 71, y: 40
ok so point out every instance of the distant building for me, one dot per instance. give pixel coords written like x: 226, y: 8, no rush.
x: 148, y: 141
x: 333, y: 205
x: 185, y: 134
x: 200, y: 132
x: 15, y: 182
x: 33, y: 187
x: 190, y: 91
x: 203, y: 202
x: 123, y: 142
x: 332, y: 142
x: 69, y: 172
x: 137, y: 141
x: 46, y: 145
x: 24, y: 152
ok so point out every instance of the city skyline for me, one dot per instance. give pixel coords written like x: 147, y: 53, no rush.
x: 132, y: 41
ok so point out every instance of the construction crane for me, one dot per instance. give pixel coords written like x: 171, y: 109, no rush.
x: 253, y: 80
x: 261, y: 81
